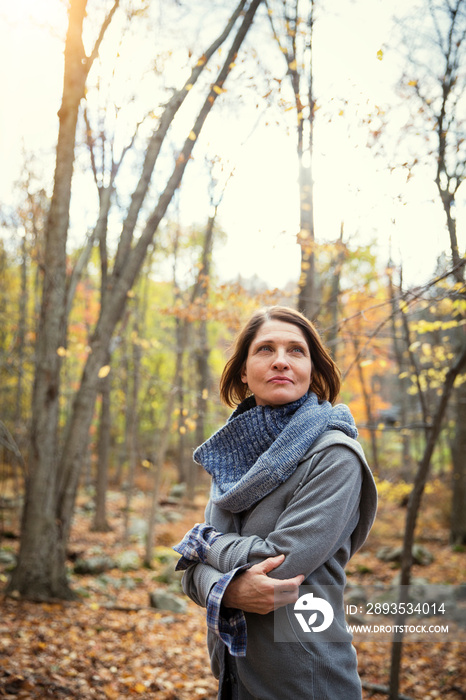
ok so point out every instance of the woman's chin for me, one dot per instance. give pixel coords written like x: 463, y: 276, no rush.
x: 278, y: 396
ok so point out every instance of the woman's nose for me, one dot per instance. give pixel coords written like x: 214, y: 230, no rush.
x: 280, y: 361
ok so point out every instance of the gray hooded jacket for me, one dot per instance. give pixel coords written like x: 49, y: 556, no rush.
x: 318, y: 518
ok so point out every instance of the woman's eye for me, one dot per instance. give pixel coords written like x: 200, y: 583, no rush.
x: 298, y: 350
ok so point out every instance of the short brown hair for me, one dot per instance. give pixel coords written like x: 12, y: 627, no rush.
x: 325, y: 375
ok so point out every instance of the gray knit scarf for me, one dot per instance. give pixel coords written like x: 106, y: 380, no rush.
x: 259, y: 447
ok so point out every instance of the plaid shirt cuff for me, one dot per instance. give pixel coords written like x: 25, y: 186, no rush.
x: 195, y: 545
x: 227, y: 623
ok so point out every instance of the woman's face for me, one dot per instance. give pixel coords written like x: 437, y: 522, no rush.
x: 278, y: 365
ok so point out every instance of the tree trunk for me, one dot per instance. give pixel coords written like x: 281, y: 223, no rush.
x: 333, y: 335
x: 300, y: 70
x: 458, y: 451
x: 123, y: 452
x: 450, y: 176
x: 371, y: 426
x: 100, y: 523
x: 133, y: 425
x: 201, y: 359
x: 51, y: 493
x: 204, y: 380
x: 159, y: 461
x: 403, y: 384
x: 154, y: 502
x: 432, y: 435
x: 40, y: 572
x: 22, y: 329
x: 308, y: 291
x: 202, y: 349
x: 181, y: 341
x: 100, y: 233
x: 182, y: 465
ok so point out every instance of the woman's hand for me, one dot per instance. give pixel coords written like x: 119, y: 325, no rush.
x: 254, y: 591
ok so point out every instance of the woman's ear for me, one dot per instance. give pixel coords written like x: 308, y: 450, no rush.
x: 244, y: 375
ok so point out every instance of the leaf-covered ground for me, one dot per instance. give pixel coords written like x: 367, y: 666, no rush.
x: 111, y: 644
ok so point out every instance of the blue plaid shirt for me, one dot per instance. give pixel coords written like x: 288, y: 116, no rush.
x: 227, y: 623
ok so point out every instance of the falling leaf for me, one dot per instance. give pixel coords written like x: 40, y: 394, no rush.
x: 218, y: 89
x: 61, y: 351
x: 192, y: 136
x: 380, y: 54
x: 104, y: 371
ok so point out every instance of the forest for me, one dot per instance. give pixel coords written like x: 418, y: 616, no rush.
x: 186, y: 164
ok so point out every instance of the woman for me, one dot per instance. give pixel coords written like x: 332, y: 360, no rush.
x: 292, y: 500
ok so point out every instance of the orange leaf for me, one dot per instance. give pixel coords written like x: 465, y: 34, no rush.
x: 139, y: 688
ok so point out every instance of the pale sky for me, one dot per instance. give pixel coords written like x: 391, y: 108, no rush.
x: 259, y: 209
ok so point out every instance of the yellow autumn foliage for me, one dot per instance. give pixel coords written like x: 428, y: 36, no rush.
x: 396, y: 492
